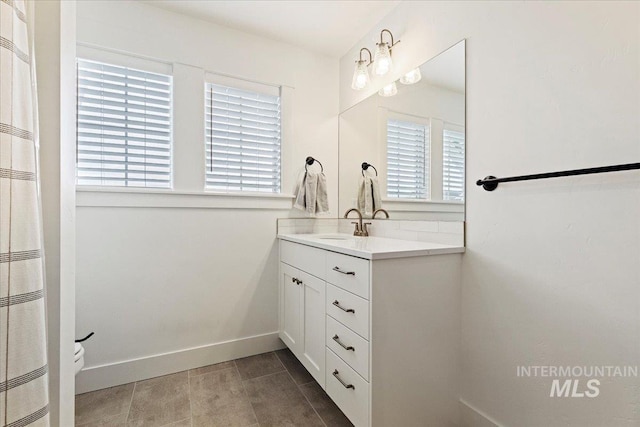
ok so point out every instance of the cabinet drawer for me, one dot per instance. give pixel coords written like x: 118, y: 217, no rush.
x: 349, y: 273
x: 356, y: 353
x: 349, y: 309
x: 303, y: 257
x: 352, y: 397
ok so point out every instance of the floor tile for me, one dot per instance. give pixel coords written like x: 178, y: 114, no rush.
x: 218, y: 399
x: 324, y: 406
x: 182, y: 423
x: 160, y: 401
x: 298, y: 372
x: 101, y: 404
x: 115, y: 421
x: 259, y: 365
x: 211, y: 368
x: 277, y: 401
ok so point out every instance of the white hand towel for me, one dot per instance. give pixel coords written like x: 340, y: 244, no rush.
x: 365, y: 199
x: 311, y: 193
x: 322, y: 199
x: 311, y: 189
x: 375, y: 194
x: 369, y: 195
x: 361, y: 194
x: 301, y: 192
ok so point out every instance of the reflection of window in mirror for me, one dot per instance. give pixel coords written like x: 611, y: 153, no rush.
x: 408, y: 150
x: 453, y: 162
x: 422, y: 153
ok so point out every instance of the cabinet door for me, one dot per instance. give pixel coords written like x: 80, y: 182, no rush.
x: 291, y: 308
x: 313, y: 336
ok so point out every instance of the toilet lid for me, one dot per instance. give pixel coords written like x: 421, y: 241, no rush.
x: 78, y: 347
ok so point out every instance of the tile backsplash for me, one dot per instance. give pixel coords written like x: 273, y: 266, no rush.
x: 443, y: 232
x: 307, y: 225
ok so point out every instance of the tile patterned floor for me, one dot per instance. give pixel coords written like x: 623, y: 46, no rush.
x: 267, y: 390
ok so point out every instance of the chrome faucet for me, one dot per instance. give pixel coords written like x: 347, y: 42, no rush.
x: 380, y: 210
x: 361, y: 229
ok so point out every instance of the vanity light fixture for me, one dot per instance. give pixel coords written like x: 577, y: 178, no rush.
x: 388, y: 90
x: 382, y: 62
x: 411, y: 77
x: 361, y: 73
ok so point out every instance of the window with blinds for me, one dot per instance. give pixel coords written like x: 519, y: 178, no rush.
x: 123, y: 126
x: 453, y: 164
x: 408, y: 150
x: 243, y: 136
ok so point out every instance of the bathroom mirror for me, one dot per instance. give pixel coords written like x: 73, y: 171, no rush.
x: 414, y: 140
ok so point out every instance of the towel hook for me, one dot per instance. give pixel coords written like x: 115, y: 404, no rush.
x: 309, y: 161
x: 366, y: 166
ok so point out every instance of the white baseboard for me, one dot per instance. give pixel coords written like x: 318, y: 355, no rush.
x: 112, y: 374
x: 473, y: 417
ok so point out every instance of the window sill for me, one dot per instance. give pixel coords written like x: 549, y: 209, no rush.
x: 164, y: 198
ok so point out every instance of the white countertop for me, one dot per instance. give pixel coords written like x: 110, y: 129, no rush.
x: 371, y: 247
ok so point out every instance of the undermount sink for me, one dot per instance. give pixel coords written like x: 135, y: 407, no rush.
x: 334, y: 237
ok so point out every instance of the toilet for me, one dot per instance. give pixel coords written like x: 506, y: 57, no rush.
x: 78, y: 357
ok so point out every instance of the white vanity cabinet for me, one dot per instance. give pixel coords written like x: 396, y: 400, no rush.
x: 302, y: 325
x: 379, y: 332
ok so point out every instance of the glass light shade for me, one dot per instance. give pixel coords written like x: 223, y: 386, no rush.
x: 388, y: 90
x: 360, y: 76
x: 411, y: 77
x: 382, y: 63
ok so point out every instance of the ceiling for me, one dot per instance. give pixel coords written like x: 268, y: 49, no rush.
x: 328, y: 27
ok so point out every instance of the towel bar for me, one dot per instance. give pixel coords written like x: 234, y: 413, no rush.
x: 490, y: 182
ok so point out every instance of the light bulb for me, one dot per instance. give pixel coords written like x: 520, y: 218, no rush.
x: 411, y: 77
x: 388, y: 90
x: 360, y: 76
x: 382, y: 63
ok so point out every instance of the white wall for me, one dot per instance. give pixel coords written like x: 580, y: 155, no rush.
x: 54, y: 45
x: 551, y: 272
x: 173, y: 281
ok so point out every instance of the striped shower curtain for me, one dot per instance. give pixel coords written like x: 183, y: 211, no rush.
x: 23, y: 357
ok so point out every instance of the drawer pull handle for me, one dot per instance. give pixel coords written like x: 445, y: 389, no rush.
x: 339, y: 270
x: 336, y: 338
x: 296, y: 281
x: 346, y: 310
x: 335, y: 374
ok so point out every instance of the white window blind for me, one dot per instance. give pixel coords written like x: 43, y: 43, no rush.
x: 407, y: 160
x: 123, y: 126
x: 453, y: 164
x: 243, y: 136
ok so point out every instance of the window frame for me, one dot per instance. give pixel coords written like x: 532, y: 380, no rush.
x: 415, y: 119
x: 460, y: 129
x: 188, y: 186
x: 118, y: 59
x: 256, y: 87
